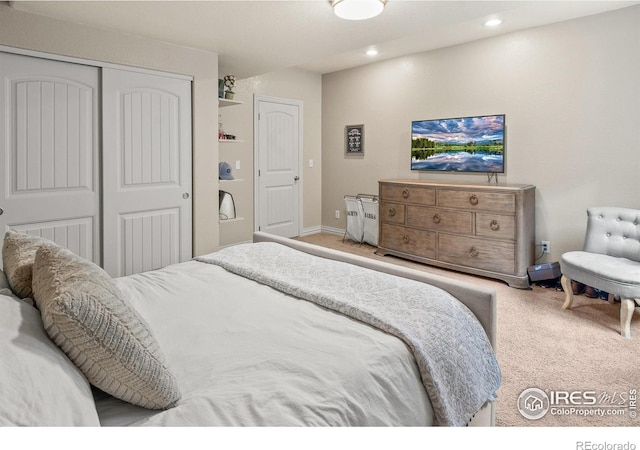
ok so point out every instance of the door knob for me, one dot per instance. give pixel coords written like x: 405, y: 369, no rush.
x: 296, y: 178
x: 1, y: 211
x: 185, y: 195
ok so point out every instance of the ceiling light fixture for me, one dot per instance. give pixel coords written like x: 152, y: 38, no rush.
x: 492, y: 22
x: 357, y: 9
x: 372, y: 52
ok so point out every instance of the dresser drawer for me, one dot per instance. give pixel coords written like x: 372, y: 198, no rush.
x: 407, y: 240
x: 495, y: 256
x: 392, y: 212
x: 408, y: 194
x: 440, y: 219
x: 480, y: 201
x: 496, y: 226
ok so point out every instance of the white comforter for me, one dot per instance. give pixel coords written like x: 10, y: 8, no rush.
x: 245, y: 354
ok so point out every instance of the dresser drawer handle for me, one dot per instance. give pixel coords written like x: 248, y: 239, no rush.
x: 405, y: 239
x: 392, y: 212
x: 473, y: 252
x: 494, y: 225
x: 473, y: 199
x: 405, y: 193
x: 436, y: 218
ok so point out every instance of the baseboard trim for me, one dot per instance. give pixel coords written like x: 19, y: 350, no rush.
x: 333, y: 230
x: 313, y: 230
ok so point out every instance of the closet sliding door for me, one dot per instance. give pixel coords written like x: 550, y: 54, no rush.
x: 146, y: 163
x: 49, y: 159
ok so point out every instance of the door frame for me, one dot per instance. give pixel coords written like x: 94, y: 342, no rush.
x: 256, y: 179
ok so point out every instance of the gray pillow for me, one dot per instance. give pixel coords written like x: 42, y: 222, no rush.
x: 87, y: 316
x: 4, y: 284
x: 18, y: 255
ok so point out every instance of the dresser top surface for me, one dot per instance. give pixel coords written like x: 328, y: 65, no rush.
x: 458, y: 185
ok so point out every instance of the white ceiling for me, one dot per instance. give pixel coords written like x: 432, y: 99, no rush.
x: 255, y: 37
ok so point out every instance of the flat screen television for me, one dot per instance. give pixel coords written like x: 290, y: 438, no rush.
x: 465, y: 144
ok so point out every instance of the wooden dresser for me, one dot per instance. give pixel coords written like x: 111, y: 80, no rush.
x: 483, y: 229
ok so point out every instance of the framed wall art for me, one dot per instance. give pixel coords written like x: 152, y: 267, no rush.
x: 354, y: 140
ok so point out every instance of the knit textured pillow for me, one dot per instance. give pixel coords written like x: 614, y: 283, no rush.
x: 18, y: 255
x: 87, y: 316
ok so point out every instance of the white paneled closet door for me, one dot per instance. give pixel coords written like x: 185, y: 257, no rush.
x: 49, y: 151
x: 147, y: 205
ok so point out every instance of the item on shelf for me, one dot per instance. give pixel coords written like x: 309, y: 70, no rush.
x: 227, y: 137
x: 229, y: 83
x: 226, y: 206
x: 224, y: 171
x: 220, y: 88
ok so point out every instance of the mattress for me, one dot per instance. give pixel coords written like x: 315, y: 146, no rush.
x: 246, y: 354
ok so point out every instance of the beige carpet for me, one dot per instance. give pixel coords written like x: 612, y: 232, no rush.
x: 541, y: 345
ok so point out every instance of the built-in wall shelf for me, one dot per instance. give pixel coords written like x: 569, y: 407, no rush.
x: 222, y: 102
x: 237, y: 219
x: 228, y: 232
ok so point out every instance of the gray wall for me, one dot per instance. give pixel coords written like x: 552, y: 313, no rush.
x: 571, y: 95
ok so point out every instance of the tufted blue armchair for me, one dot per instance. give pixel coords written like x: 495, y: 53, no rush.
x: 610, y: 260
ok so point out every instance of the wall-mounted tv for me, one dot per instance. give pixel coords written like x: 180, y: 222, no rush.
x: 465, y: 144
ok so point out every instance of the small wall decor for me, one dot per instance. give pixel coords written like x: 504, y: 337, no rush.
x: 229, y: 83
x: 354, y: 140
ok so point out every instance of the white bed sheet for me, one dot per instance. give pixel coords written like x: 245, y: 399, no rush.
x: 247, y: 355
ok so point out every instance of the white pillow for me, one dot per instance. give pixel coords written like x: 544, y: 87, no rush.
x: 39, y: 386
x: 87, y: 316
x: 18, y: 255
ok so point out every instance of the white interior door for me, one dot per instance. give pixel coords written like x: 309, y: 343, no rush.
x: 49, y: 151
x: 147, y: 203
x: 278, y: 155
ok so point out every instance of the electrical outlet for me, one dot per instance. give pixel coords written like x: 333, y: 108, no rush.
x: 546, y: 246
x: 337, y: 213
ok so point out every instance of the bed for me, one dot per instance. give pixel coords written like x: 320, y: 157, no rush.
x: 273, y: 333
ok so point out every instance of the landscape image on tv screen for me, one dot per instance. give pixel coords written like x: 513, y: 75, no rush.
x: 465, y: 144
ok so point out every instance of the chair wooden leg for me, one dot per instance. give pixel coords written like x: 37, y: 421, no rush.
x: 627, y: 306
x: 568, y: 292
x: 611, y: 299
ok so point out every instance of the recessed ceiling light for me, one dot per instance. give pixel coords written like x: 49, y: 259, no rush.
x: 493, y: 22
x: 372, y: 52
